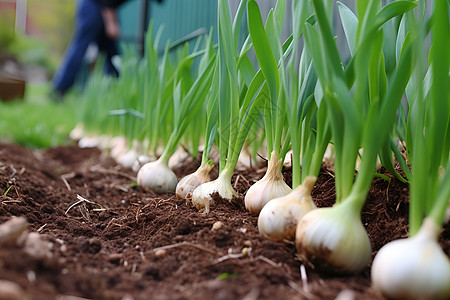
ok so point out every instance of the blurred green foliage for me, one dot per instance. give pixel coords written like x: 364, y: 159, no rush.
x: 49, y: 28
x: 6, y: 29
x: 37, y: 121
x: 52, y: 20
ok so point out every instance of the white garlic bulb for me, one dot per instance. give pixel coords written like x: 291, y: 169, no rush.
x: 127, y: 159
x: 278, y: 219
x: 77, y: 132
x: 190, y: 182
x: 157, y: 176
x: 334, y: 238
x: 141, y: 160
x: 413, y: 268
x: 269, y: 187
x: 118, y: 145
x: 201, y: 197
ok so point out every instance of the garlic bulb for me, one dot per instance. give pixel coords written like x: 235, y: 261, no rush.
x: 127, y: 159
x: 89, y: 141
x: 180, y: 156
x: 201, y: 197
x: 157, y: 176
x: 77, y: 132
x: 140, y: 161
x: 269, y: 187
x: 413, y: 268
x: 188, y: 183
x: 278, y: 219
x: 334, y: 238
x: 118, y: 145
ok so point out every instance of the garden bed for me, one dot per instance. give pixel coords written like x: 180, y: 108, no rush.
x: 123, y: 243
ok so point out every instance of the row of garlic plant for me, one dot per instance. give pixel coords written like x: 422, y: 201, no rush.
x: 362, y: 101
x: 137, y: 114
x: 362, y: 96
x: 240, y: 98
x: 188, y: 99
x: 417, y: 267
x: 355, y: 117
x: 308, y: 97
x: 308, y: 127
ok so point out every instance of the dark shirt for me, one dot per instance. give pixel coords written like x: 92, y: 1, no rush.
x: 110, y: 3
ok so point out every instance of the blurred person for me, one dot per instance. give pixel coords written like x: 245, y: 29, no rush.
x: 95, y: 22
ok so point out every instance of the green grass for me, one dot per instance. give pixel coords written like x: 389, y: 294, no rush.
x: 37, y: 121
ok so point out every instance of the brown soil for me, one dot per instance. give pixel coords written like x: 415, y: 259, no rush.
x: 106, y: 249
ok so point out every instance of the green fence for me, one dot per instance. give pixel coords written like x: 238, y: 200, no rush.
x: 178, y: 18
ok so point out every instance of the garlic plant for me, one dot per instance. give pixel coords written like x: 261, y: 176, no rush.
x: 278, y: 219
x: 203, y: 195
x: 334, y: 237
x: 269, y: 187
x: 308, y: 126
x: 157, y: 177
x: 417, y: 267
x: 189, y: 183
x: 413, y: 268
x: 236, y: 115
x: 268, y: 49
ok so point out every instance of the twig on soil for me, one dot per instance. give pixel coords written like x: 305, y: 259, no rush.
x: 197, y: 246
x: 133, y: 268
x: 64, y: 178
x: 111, y: 222
x: 329, y: 173
x: 252, y: 295
x: 295, y: 286
x: 304, y: 278
x: 69, y: 297
x: 141, y: 253
x: 41, y: 228
x: 237, y: 180
x: 228, y: 256
x: 11, y: 166
x: 243, y: 178
x: 10, y: 201
x: 99, y: 169
x: 82, y: 201
x: 269, y: 261
x: 245, y: 252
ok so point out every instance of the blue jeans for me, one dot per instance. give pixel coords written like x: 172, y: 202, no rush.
x: 89, y: 28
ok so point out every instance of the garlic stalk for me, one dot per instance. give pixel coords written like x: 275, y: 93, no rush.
x: 334, y: 238
x: 189, y: 183
x: 269, y: 187
x: 157, y: 176
x: 202, y: 195
x: 413, y: 268
x: 278, y: 219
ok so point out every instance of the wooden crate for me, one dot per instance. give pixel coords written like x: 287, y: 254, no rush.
x: 11, y: 88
